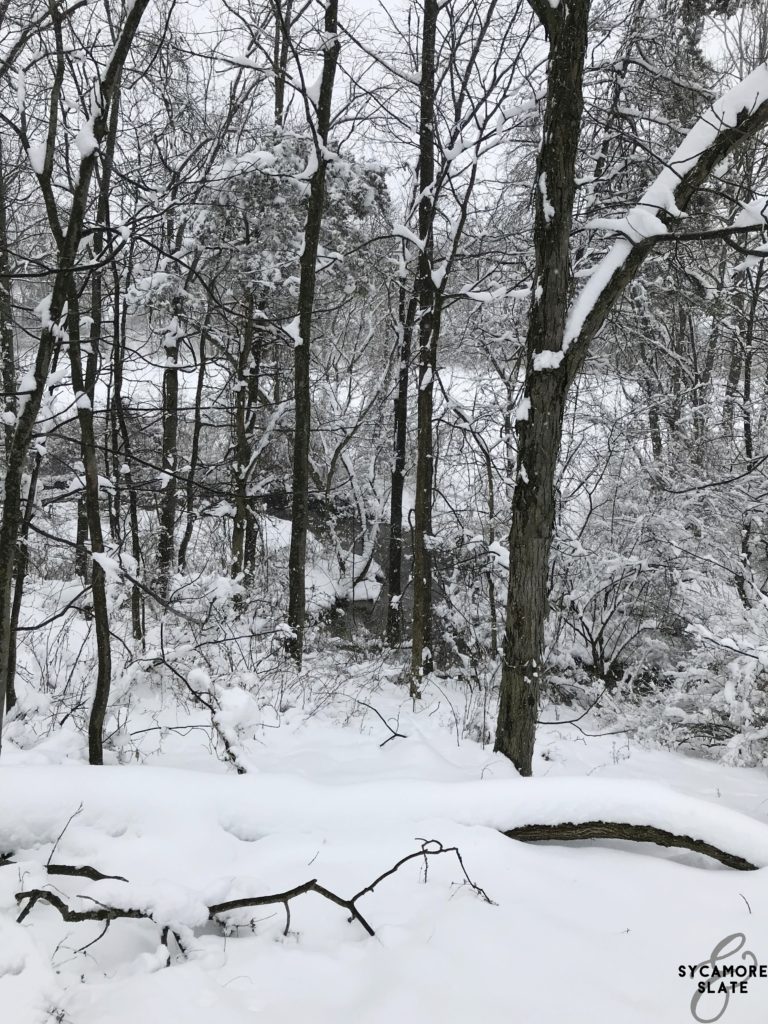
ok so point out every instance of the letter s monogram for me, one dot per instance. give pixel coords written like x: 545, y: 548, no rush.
x: 721, y: 952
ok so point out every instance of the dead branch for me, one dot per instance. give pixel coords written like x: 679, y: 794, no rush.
x: 429, y: 848
x: 70, y: 870
x: 100, y: 913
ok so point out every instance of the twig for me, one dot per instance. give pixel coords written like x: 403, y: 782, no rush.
x: 572, y: 721
x: 429, y: 848
x: 93, y: 942
x: 61, y: 834
x: 395, y: 734
x: 171, y: 728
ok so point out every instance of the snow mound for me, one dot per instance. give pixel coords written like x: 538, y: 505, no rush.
x: 173, y: 806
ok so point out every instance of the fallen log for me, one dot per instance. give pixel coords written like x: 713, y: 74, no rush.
x: 567, y: 831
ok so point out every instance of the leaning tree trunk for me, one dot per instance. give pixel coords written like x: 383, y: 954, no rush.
x: 302, y: 400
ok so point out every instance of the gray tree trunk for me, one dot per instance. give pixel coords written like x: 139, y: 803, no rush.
x: 297, y: 557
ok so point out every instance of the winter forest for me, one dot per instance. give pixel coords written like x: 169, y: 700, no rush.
x: 383, y: 511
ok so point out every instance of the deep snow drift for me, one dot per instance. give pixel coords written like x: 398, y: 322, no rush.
x: 579, y: 932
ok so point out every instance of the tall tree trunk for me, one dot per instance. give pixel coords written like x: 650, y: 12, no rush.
x: 8, y: 365
x: 125, y: 470
x: 194, y: 454
x: 405, y: 316
x: 302, y: 401
x: 280, y: 51
x: 421, y: 651
x: 241, y: 468
x: 539, y: 435
x: 83, y: 385
x: 744, y: 575
x: 169, y: 490
x: 8, y: 360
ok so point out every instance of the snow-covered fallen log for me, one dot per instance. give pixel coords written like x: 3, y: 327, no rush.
x: 172, y: 807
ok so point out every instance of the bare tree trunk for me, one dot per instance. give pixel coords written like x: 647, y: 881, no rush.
x: 427, y: 317
x: 241, y: 468
x: 405, y: 316
x: 280, y: 55
x: 6, y: 313
x: 20, y: 576
x: 168, y: 500
x: 83, y: 384
x: 126, y: 471
x: 9, y: 385
x: 302, y: 402
x: 194, y: 454
x: 539, y: 435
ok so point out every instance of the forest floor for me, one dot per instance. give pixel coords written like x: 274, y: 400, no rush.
x: 578, y: 932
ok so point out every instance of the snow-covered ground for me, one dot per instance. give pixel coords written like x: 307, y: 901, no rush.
x: 575, y: 932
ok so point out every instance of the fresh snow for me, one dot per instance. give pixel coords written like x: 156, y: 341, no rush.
x: 85, y: 140
x: 36, y: 154
x: 401, y: 231
x: 643, y: 222
x: 582, y: 932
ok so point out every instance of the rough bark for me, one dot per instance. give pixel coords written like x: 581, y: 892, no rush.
x: 539, y: 435
x: 280, y: 55
x: 575, y: 831
x: 8, y: 360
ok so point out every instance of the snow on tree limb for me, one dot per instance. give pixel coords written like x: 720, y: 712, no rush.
x: 734, y: 117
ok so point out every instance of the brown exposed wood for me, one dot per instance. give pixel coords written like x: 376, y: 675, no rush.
x: 570, y: 831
